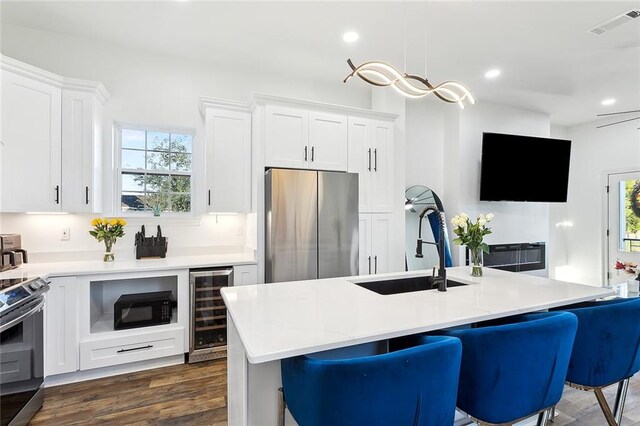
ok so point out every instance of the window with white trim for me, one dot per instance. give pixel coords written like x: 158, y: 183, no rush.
x: 155, y: 169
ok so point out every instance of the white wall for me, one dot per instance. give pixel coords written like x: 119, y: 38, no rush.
x: 558, y: 223
x: 41, y: 235
x: 449, y: 142
x: 150, y: 89
x: 425, y: 136
x: 594, y: 152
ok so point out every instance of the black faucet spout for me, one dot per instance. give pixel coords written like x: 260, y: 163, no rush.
x: 441, y: 278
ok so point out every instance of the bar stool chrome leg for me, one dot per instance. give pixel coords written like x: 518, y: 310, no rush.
x: 621, y: 397
x: 281, y: 407
x: 543, y: 417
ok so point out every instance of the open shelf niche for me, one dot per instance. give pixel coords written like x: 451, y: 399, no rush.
x: 104, y: 293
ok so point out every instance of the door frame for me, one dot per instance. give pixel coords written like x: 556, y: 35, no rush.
x: 604, y: 260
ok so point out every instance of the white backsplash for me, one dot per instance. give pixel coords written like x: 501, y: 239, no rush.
x: 208, y: 234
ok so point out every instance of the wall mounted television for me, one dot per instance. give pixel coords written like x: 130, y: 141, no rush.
x: 524, y: 168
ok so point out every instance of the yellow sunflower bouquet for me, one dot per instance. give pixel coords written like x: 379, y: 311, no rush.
x: 107, y: 230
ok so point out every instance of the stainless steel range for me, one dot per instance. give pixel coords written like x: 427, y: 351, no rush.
x: 21, y: 349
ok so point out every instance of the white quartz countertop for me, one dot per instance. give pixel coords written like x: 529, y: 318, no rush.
x: 60, y: 269
x: 276, y: 321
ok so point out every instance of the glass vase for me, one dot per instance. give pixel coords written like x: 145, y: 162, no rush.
x: 109, y: 256
x: 475, y: 261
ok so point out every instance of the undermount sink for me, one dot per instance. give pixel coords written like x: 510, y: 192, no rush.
x: 404, y: 285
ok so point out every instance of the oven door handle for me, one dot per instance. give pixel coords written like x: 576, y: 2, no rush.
x: 32, y: 311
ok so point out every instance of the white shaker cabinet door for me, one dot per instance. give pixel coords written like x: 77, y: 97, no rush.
x: 366, y: 260
x: 380, y: 241
x: 61, y: 326
x: 287, y: 137
x: 327, y: 142
x: 382, y: 165
x: 360, y: 158
x: 228, y: 136
x: 81, y: 152
x: 31, y: 145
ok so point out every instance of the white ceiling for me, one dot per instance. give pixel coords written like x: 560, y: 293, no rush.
x: 549, y: 62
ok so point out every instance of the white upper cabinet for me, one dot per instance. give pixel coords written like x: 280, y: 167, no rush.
x: 50, y: 141
x: 228, y: 151
x: 82, y: 150
x: 371, y: 156
x: 31, y: 145
x: 382, y: 173
x: 360, y: 153
x: 303, y: 139
x: 327, y: 141
x: 287, y: 137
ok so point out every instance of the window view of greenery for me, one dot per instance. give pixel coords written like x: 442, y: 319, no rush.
x: 156, y: 171
x: 630, y: 189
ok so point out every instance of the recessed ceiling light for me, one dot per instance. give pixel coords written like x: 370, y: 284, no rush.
x: 492, y: 73
x: 350, y: 36
x: 608, y: 102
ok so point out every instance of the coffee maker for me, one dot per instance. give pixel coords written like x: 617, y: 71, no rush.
x: 12, y: 254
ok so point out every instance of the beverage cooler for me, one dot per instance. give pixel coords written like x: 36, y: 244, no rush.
x: 208, y: 337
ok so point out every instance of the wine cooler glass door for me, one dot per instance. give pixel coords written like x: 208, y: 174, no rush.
x: 209, y: 315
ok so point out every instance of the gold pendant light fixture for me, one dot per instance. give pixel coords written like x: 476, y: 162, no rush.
x: 381, y: 74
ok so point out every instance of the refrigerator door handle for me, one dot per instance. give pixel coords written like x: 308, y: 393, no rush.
x: 369, y: 265
x: 375, y: 264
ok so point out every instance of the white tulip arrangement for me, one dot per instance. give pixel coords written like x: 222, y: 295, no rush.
x: 472, y: 235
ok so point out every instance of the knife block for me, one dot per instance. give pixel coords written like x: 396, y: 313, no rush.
x: 151, y: 247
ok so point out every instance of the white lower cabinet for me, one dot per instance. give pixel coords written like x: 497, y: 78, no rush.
x: 101, y: 345
x: 375, y: 237
x: 131, y: 348
x: 61, y: 326
x: 245, y: 275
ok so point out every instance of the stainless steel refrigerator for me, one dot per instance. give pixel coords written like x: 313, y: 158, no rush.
x: 311, y: 225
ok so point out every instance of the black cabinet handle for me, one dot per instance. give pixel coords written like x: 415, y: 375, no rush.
x: 57, y: 194
x: 375, y: 158
x: 86, y: 195
x: 369, y: 167
x: 375, y: 263
x: 313, y: 148
x: 305, y: 153
x: 369, y: 265
x: 209, y: 198
x: 135, y: 349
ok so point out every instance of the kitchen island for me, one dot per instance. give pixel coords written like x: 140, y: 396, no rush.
x: 276, y: 321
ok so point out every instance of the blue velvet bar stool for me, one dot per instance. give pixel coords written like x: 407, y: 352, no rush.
x: 414, y: 386
x: 513, y: 371
x: 606, y: 350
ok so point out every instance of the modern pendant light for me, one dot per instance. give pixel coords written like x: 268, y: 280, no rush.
x: 378, y: 73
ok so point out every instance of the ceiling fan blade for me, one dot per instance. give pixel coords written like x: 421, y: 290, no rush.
x: 616, y: 113
x: 617, y: 122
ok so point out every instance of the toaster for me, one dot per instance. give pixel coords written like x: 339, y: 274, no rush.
x: 12, y: 254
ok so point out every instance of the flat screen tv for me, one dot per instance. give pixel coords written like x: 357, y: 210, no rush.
x: 524, y: 168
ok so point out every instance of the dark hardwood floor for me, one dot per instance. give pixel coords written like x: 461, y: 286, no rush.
x: 195, y: 394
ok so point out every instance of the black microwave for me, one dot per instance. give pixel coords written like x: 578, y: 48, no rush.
x: 143, y: 310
